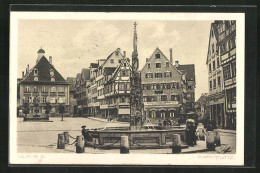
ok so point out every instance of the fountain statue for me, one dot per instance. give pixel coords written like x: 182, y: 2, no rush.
x: 139, y: 135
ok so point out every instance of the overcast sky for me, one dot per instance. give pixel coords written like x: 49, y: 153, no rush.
x: 74, y: 44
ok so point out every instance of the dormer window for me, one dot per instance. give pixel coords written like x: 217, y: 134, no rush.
x: 35, y: 72
x: 167, y: 64
x: 51, y: 72
x: 52, y: 75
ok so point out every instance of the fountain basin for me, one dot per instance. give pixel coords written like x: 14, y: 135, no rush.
x: 139, y: 138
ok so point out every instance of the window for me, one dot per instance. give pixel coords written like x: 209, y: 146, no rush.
x: 177, y: 85
x: 35, y: 89
x: 53, y: 89
x: 26, y: 88
x: 212, y: 48
x: 158, y: 86
x: 60, y: 88
x: 214, y: 65
x: 148, y: 75
x: 51, y: 72
x: 219, y: 83
x: 210, y: 67
x: 214, y: 83
x: 210, y: 85
x: 226, y: 71
x: 35, y: 72
x: 157, y: 56
x: 168, y: 86
x: 112, y: 61
x: 174, y: 98
x: 148, y: 87
x: 167, y: 64
x: 61, y: 100
x: 52, y: 79
x: 53, y: 100
x: 122, y: 99
x: 158, y: 65
x: 119, y: 61
x: 121, y: 86
x: 232, y: 43
x: 218, y: 62
x: 163, y: 97
x: 158, y: 75
x: 149, y: 65
x: 233, y: 66
x: 44, y: 99
x: 124, y: 73
x: 167, y: 74
x: 26, y: 99
x: 164, y: 86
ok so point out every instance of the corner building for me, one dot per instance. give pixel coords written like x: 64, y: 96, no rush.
x: 164, y: 87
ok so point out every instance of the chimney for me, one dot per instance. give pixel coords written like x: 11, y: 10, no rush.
x: 147, y: 59
x: 50, y: 59
x: 124, y: 54
x: 171, y: 55
x: 28, y: 68
x: 176, y: 63
x: 23, y: 74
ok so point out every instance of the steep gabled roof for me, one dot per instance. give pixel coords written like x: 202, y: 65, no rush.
x: 43, y: 66
x: 125, y: 60
x: 189, y: 69
x: 157, y: 49
x: 213, y: 28
x: 85, y: 74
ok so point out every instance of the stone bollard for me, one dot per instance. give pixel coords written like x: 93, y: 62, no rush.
x: 210, y: 140
x: 124, y: 145
x: 176, y: 147
x: 60, y: 143
x: 66, y: 137
x: 216, y: 137
x: 201, y: 134
x: 80, y: 144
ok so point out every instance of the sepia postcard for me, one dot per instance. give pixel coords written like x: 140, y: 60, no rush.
x: 98, y: 88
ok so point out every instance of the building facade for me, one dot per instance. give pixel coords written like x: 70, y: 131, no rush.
x: 221, y: 62
x: 189, y: 71
x: 43, y: 83
x: 164, y: 87
x: 215, y: 79
x: 82, y: 80
x: 72, y: 110
x: 227, y: 45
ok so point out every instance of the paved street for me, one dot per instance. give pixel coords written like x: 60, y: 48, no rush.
x: 42, y: 136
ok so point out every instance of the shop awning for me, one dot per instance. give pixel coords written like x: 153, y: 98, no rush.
x: 124, y: 111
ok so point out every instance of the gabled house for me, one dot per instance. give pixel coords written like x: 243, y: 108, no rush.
x: 43, y: 83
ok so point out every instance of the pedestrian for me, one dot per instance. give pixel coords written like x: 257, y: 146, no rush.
x: 95, y: 138
x: 164, y: 123
x: 84, y: 133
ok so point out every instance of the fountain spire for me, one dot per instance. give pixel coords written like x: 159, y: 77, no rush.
x: 136, y: 104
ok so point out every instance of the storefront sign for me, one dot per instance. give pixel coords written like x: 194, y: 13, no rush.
x: 161, y: 103
x: 124, y: 106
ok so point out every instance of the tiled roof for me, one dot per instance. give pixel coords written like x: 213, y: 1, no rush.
x: 189, y: 69
x: 43, y: 66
